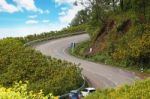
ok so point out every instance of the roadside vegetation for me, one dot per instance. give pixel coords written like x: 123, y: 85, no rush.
x: 138, y: 90
x: 69, y: 31
x: 20, y: 63
x: 19, y: 91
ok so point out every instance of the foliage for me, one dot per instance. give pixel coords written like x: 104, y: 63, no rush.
x: 54, y: 34
x: 19, y: 91
x: 138, y: 45
x: 138, y: 90
x: 80, y: 48
x: 18, y: 62
x: 92, y: 30
x: 81, y: 17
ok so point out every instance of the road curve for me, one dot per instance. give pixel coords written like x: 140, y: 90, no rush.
x: 99, y: 75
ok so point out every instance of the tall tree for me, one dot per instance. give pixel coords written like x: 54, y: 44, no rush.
x: 99, y: 8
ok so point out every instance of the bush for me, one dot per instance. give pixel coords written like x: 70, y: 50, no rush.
x: 19, y: 91
x: 23, y: 63
x: 139, y: 90
x: 138, y: 48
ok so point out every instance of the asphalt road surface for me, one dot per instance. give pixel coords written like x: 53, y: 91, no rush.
x: 99, y: 75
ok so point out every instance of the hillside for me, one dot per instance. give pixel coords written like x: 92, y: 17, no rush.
x: 119, y: 37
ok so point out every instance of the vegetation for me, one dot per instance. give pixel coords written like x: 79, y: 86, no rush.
x: 119, y: 31
x: 19, y: 63
x: 55, y: 34
x: 139, y: 90
x: 19, y: 91
x: 120, y: 35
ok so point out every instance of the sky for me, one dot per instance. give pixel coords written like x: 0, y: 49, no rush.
x: 24, y: 17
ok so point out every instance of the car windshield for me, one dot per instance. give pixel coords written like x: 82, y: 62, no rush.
x: 85, y: 90
x: 92, y: 90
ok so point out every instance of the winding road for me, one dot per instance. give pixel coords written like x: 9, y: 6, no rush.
x: 99, y: 75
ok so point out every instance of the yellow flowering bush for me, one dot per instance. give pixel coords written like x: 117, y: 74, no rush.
x: 19, y: 91
x: 140, y: 45
x: 134, y: 47
x: 120, y: 54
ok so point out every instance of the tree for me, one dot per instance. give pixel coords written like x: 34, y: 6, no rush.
x: 122, y: 4
x: 98, y: 8
x: 142, y: 8
x: 82, y: 17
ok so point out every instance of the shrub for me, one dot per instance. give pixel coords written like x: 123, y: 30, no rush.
x: 138, y: 90
x: 135, y: 49
x: 19, y: 91
x: 23, y: 63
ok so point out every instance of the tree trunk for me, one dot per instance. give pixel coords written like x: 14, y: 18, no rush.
x: 122, y: 4
x: 144, y: 8
x: 113, y: 1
